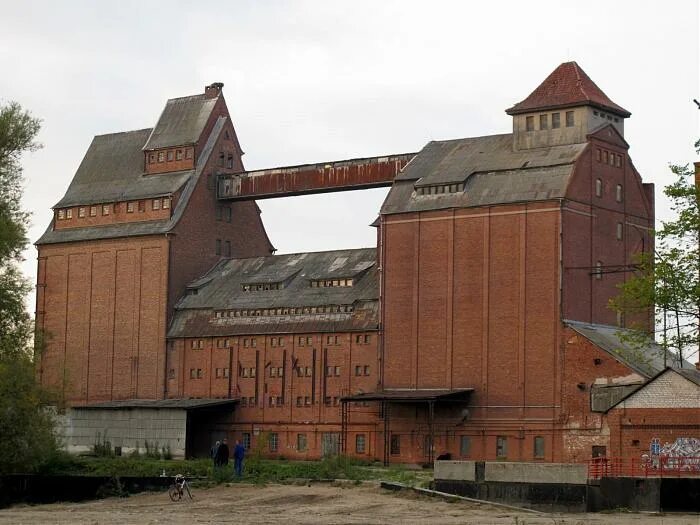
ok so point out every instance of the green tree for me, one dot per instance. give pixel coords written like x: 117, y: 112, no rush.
x: 26, y: 430
x: 668, y: 282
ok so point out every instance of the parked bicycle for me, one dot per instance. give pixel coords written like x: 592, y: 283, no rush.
x: 179, y: 488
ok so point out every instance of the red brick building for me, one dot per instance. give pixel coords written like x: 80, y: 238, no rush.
x: 472, y: 329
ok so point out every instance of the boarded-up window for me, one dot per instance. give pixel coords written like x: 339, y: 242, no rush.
x: 360, y: 443
x: 544, y: 122
x: 395, y: 444
x: 301, y: 443
x: 530, y: 123
x: 465, y: 444
x: 569, y: 119
x: 539, y: 447
x: 501, y: 446
x: 556, y: 121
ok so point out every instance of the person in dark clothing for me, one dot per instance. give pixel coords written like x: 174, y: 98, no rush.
x: 238, y: 455
x: 214, y: 453
x: 222, y: 454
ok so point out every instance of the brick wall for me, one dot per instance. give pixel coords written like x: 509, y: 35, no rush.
x: 115, y: 213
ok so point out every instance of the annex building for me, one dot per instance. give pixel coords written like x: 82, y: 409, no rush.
x: 476, y: 327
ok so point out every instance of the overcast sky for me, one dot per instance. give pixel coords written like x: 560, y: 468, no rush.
x: 313, y: 81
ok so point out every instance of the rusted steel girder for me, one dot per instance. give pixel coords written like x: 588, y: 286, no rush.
x: 355, y: 174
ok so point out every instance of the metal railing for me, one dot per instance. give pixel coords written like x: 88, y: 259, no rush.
x: 654, y: 466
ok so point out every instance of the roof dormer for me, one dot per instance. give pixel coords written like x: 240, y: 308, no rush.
x: 564, y: 109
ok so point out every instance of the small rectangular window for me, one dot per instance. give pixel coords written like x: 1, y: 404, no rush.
x: 360, y: 442
x: 605, y: 157
x: 598, y: 270
x: 307, y: 400
x: 171, y: 373
x: 151, y: 158
x: 618, y: 193
x: 598, y: 187
x: 229, y: 162
x: 170, y: 156
x: 569, y: 119
x: 598, y: 154
x: 465, y: 445
x: 155, y: 204
x: 301, y: 443
x: 246, y: 435
x: 366, y: 370
x: 273, y: 441
x: 178, y: 154
x: 166, y: 203
x: 337, y: 371
x: 161, y: 156
x: 300, y: 401
x: 358, y: 370
x: 93, y: 211
x: 129, y: 207
x: 502, y: 445
x: 81, y: 212
x: 188, y: 153
x: 620, y: 231
x: 69, y: 213
x: 61, y: 215
x: 556, y: 122
x: 618, y: 161
x: 225, y: 372
x: 544, y: 121
x: 142, y: 206
x: 199, y: 373
x: 395, y: 445
x: 530, y: 123
x: 105, y: 209
x: 539, y: 447
x: 193, y: 373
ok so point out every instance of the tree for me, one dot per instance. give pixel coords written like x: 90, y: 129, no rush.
x: 26, y: 429
x: 668, y: 281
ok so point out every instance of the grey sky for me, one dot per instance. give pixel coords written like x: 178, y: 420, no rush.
x: 315, y: 81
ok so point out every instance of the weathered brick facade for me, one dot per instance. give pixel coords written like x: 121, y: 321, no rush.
x: 477, y: 328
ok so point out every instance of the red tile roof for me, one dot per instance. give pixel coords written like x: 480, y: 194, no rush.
x: 568, y: 85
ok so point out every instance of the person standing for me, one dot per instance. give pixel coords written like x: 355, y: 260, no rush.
x: 223, y: 453
x: 214, y: 453
x: 238, y: 455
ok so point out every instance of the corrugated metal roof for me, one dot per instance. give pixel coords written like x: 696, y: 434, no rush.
x: 181, y: 122
x: 646, y: 360
x: 222, y: 289
x: 112, y: 170
x: 493, y: 171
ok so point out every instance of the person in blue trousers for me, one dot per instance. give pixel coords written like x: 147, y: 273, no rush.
x: 238, y: 455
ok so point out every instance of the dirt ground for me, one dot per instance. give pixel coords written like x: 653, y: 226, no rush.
x: 313, y: 504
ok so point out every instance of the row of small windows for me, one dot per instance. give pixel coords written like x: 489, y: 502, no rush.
x: 107, y: 209
x: 608, y: 157
x: 440, y: 189
x: 222, y: 372
x: 606, y: 116
x: 547, y: 121
x: 299, y: 310
x: 259, y: 287
x: 619, y: 190
x: 170, y: 155
x: 330, y: 283
x: 302, y: 442
x: 538, y: 446
x: 252, y: 342
x: 247, y: 371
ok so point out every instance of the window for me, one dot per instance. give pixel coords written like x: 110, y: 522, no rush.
x: 61, y: 215
x: 273, y: 441
x: 598, y: 270
x: 569, y: 119
x: 81, y: 212
x: 161, y: 156
x: 166, y: 204
x: 178, y: 154
x: 217, y: 249
x: 252, y: 401
x: 620, y: 231
x: 300, y: 401
x: 605, y: 157
x: 93, y: 211
x: 360, y: 442
x: 368, y: 339
x: 307, y: 400
x: 155, y: 204
x: 227, y: 213
x: 188, y: 153
x: 229, y: 162
x: 395, y: 445
x: 544, y: 122
x: 337, y: 371
x: 170, y: 156
x: 199, y: 373
x: 227, y: 249
x: 171, y: 373
x: 502, y: 441
x: 151, y: 158
x: 308, y: 371
x: 618, y: 193
x: 465, y: 444
x: 246, y: 438
x: 529, y: 123
x: 556, y: 122
x: 244, y: 402
x: 598, y: 154
x: 618, y: 161
x: 217, y: 373
x: 142, y: 206
x: 273, y: 371
x: 226, y: 372
x: 221, y: 158
x: 358, y: 370
x: 539, y: 447
x: 129, y: 207
x: 366, y: 370
x: 301, y: 442
x: 329, y: 371
x: 611, y: 159
x: 599, y: 187
x: 193, y: 373
x: 105, y: 209
x: 69, y: 213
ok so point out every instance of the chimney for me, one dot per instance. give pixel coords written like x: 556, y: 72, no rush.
x: 213, y: 90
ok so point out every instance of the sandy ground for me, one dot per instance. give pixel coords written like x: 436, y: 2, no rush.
x: 306, y: 504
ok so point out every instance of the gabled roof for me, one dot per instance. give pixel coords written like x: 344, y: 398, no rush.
x: 222, y: 288
x: 568, y: 85
x: 691, y: 374
x: 494, y: 172
x: 112, y: 170
x: 181, y: 122
x: 647, y: 360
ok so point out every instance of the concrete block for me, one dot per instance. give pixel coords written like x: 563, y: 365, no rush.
x: 571, y: 473
x: 455, y: 470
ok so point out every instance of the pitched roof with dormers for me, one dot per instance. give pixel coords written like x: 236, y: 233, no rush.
x: 568, y: 85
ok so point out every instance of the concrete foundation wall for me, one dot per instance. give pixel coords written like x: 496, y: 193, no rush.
x: 129, y: 429
x: 455, y: 470
x: 511, y: 472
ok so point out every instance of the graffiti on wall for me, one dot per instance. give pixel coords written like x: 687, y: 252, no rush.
x: 682, y: 454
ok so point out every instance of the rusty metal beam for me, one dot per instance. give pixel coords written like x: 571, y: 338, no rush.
x: 323, y: 177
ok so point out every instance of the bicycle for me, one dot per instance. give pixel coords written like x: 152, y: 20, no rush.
x: 178, y: 488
